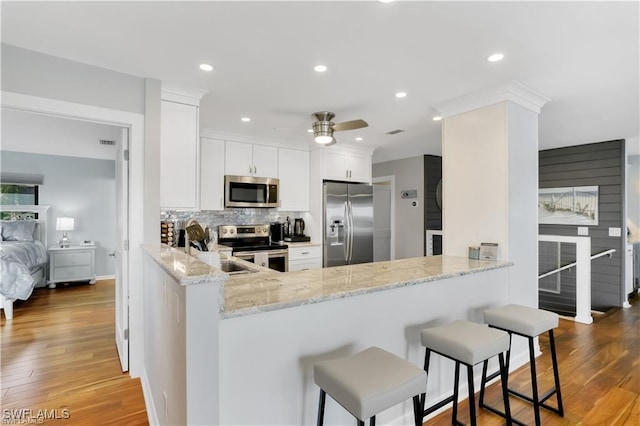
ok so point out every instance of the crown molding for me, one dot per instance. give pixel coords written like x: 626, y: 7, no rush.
x: 513, y: 91
x: 183, y: 95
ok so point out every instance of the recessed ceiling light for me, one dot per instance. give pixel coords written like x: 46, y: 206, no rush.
x: 358, y: 138
x: 495, y: 57
x: 385, y: 1
x: 206, y: 67
x: 245, y: 119
x: 320, y: 68
x: 401, y: 95
x: 437, y: 118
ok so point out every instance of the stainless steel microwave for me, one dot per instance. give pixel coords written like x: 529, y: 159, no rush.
x: 248, y: 191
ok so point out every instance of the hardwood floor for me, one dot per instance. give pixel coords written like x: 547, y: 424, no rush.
x: 59, y: 354
x: 599, y: 375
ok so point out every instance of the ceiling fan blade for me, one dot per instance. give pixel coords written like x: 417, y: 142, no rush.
x: 349, y: 125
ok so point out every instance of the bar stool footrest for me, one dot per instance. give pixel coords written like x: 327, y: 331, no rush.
x: 543, y: 398
x: 501, y: 414
x: 437, y: 406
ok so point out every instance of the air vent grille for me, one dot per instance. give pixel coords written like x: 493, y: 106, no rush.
x: 107, y: 142
x: 395, y: 132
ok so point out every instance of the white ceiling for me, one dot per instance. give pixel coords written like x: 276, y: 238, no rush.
x: 582, y: 55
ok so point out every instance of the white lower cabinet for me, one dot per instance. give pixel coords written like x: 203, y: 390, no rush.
x: 72, y: 264
x: 305, y: 257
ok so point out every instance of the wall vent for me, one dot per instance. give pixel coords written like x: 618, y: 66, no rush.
x: 107, y: 142
x: 395, y: 132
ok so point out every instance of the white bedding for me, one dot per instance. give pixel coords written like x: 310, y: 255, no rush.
x: 17, y: 260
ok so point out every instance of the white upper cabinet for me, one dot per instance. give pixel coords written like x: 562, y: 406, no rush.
x: 346, y: 165
x: 179, y: 148
x: 211, y: 174
x: 293, y: 172
x: 245, y: 159
x: 179, y: 156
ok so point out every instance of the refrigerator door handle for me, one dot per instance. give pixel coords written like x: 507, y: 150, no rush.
x: 346, y: 232
x: 351, y: 231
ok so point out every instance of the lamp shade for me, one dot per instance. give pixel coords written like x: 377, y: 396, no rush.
x: 65, y: 224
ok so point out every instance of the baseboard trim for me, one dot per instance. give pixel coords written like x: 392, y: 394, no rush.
x: 106, y: 277
x: 152, y: 415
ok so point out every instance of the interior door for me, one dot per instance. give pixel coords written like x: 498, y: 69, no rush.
x: 121, y: 254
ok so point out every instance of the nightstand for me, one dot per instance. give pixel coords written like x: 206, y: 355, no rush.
x: 73, y: 263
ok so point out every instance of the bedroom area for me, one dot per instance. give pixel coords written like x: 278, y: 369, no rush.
x: 58, y: 178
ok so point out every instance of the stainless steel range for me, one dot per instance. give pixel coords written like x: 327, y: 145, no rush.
x: 252, y: 243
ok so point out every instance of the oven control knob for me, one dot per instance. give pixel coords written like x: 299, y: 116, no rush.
x: 263, y: 264
x: 231, y: 231
x: 264, y: 229
x: 224, y: 230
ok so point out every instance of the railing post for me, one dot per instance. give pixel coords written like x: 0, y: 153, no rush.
x: 583, y: 280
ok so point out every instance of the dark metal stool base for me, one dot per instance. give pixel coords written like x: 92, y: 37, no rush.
x: 503, y: 372
x: 537, y: 400
x: 417, y: 409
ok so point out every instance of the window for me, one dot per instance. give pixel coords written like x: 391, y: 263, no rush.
x: 16, y: 195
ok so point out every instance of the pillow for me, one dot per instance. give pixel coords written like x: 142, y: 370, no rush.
x: 17, y: 230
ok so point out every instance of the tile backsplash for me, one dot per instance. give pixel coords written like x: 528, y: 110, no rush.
x: 228, y: 217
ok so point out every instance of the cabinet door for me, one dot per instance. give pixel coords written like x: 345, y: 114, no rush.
x: 179, y: 156
x: 265, y: 161
x: 335, y: 163
x: 359, y: 167
x: 238, y: 158
x: 211, y: 174
x: 293, y: 172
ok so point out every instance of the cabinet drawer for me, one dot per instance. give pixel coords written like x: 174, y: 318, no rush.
x: 310, y: 252
x: 72, y: 259
x: 72, y: 273
x: 302, y: 265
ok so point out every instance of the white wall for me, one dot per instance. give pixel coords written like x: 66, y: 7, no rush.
x: 475, y: 187
x: 409, y: 220
x: 45, y: 134
x: 32, y: 73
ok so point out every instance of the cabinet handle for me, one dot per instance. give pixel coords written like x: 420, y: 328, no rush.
x: 250, y: 169
x: 347, y: 173
x: 305, y: 252
x: 255, y: 169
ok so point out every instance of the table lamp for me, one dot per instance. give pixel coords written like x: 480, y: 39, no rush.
x: 64, y: 224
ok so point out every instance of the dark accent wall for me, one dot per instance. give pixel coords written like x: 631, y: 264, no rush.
x: 432, y: 212
x: 601, y: 164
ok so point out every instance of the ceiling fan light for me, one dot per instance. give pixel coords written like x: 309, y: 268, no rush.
x: 323, y: 139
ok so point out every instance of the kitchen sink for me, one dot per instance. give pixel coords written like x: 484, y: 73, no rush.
x: 232, y: 268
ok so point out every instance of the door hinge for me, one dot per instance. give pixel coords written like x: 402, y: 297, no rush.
x: 126, y: 245
x: 125, y: 154
x: 126, y: 334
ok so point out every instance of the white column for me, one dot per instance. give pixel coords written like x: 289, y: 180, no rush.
x: 490, y: 179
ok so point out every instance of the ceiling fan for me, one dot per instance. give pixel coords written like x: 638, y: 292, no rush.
x: 323, y: 127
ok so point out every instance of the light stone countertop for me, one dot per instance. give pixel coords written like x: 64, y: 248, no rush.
x: 185, y: 269
x: 292, y: 244
x: 255, y: 293
x: 268, y: 290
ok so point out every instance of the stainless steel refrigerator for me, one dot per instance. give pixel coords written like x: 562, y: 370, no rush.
x: 348, y: 223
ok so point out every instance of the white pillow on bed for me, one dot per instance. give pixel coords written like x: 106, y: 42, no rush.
x: 17, y: 230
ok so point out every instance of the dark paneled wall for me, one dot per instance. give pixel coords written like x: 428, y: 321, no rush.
x: 432, y: 212
x: 601, y: 164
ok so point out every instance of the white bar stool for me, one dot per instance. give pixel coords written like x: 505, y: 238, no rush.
x: 527, y: 322
x: 466, y: 343
x: 368, y: 383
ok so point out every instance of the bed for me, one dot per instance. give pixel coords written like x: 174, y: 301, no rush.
x: 23, y: 253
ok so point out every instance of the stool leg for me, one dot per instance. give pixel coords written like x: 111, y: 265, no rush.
x: 426, y: 370
x: 454, y: 415
x: 372, y: 421
x: 323, y: 396
x: 482, y: 382
x: 556, y: 375
x: 534, y: 382
x: 418, y: 410
x: 360, y: 422
x: 504, y: 373
x: 472, y: 397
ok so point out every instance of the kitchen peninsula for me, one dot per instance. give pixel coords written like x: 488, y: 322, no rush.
x: 239, y: 349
